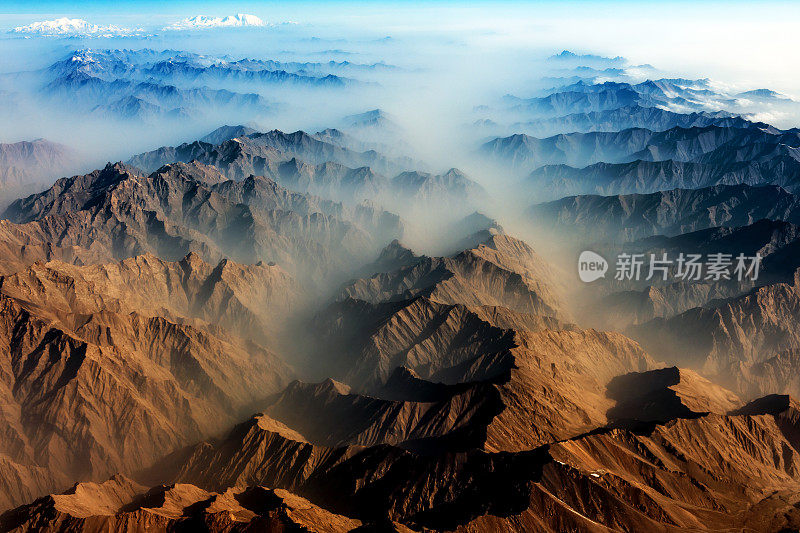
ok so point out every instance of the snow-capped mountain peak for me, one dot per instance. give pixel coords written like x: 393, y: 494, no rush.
x: 231, y: 21
x: 65, y: 26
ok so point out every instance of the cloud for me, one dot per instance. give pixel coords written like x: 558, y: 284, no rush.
x: 69, y: 27
x: 202, y: 22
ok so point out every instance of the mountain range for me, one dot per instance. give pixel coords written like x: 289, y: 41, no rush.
x: 326, y: 165
x: 710, y: 144
x: 657, y: 104
x: 152, y: 86
x: 257, y: 330
x: 627, y: 217
x: 186, y: 208
x: 239, y: 20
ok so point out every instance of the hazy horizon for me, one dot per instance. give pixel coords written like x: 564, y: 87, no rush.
x: 734, y: 42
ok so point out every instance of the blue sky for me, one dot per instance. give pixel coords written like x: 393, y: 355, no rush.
x: 14, y: 12
x: 184, y: 6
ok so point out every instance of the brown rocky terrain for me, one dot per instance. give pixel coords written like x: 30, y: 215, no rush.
x: 777, y: 374
x: 329, y: 414
x: 148, y: 311
x: 251, y: 301
x: 118, y: 213
x: 122, y: 504
x: 121, y: 388
x: 455, y: 344
x: 742, y: 329
x: 625, y: 308
x: 665, y: 394
x: 126, y: 360
x: 690, y: 470
x: 501, y: 270
x: 21, y: 248
x: 450, y: 415
x: 685, y: 474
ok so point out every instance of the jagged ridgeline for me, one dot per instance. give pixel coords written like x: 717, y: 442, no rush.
x: 332, y: 330
x: 119, y: 212
x: 330, y: 164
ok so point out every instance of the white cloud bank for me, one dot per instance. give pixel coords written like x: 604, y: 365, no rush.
x: 202, y: 22
x: 69, y: 27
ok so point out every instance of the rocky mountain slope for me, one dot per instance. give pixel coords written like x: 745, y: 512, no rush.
x: 697, y: 143
x: 260, y: 147
x: 248, y: 300
x: 122, y: 503
x: 620, y: 303
x: 120, y: 387
x: 119, y: 213
x: 671, y: 212
x: 499, y: 271
x: 392, y: 341
x: 595, y: 482
x: 632, y: 116
x: 329, y: 168
x: 725, y: 334
x: 644, y: 177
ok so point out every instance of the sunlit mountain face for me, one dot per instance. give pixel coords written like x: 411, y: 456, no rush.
x: 342, y: 267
